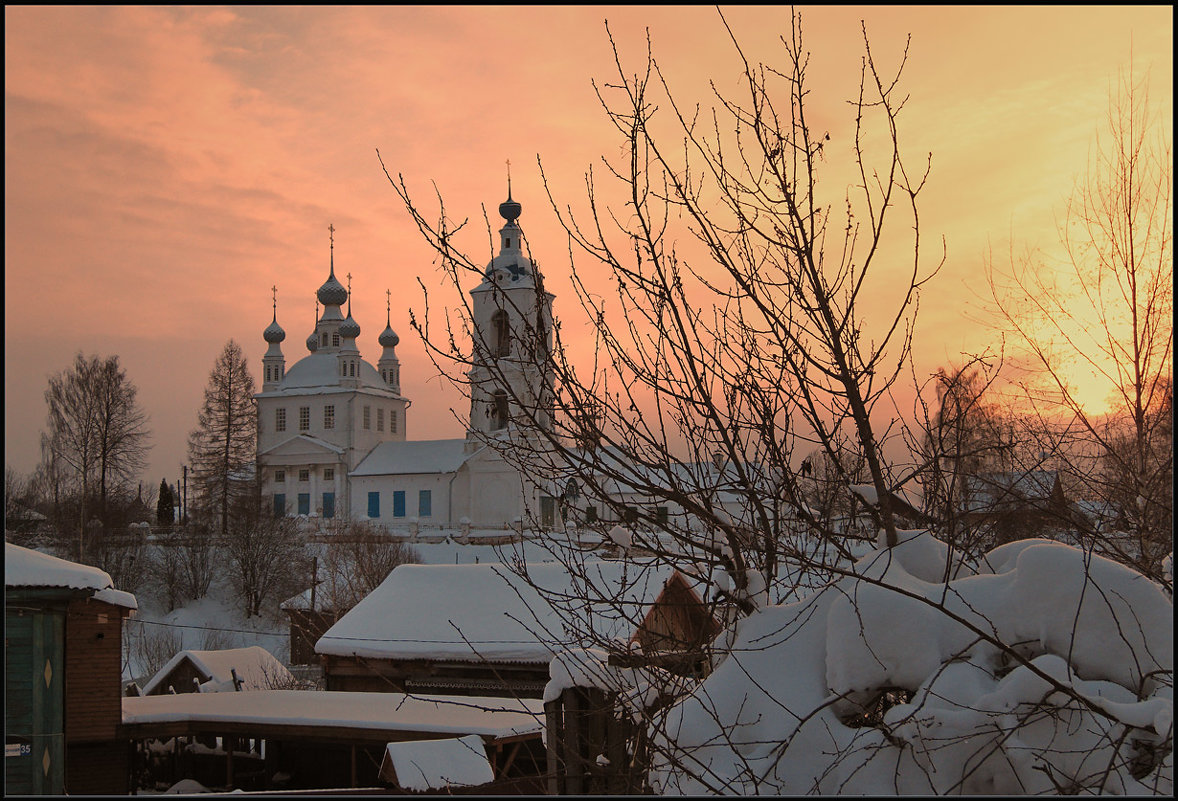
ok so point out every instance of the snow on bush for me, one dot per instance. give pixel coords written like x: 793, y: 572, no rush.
x: 1045, y: 670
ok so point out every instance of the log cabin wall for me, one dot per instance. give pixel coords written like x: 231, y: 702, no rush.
x: 96, y: 761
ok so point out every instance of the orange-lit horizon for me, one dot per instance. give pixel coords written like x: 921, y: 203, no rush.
x: 165, y: 167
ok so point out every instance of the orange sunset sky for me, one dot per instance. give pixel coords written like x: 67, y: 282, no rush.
x: 164, y: 167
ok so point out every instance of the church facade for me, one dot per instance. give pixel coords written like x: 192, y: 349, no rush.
x: 332, y: 428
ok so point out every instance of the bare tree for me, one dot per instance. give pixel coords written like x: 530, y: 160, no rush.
x: 710, y: 369
x: 358, y: 557
x: 222, y: 448
x: 96, y: 428
x: 1109, y: 312
x: 748, y: 326
x: 265, y: 555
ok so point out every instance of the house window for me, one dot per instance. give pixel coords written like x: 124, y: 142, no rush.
x: 425, y: 503
x: 279, y: 504
x: 501, y: 330
x: 304, y: 418
x: 367, y: 418
x: 392, y: 421
x: 590, y: 514
x: 304, y: 475
x: 329, y: 504
x: 304, y: 503
x: 280, y: 419
x: 630, y: 515
x: 329, y: 474
x: 661, y: 515
x: 329, y: 416
x: 380, y: 419
x: 398, y: 503
x: 374, y: 504
x: 279, y: 476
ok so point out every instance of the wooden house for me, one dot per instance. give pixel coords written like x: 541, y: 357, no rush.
x: 230, y: 669
x: 483, y: 630
x: 62, y: 676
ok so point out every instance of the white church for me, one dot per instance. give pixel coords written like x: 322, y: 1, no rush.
x: 332, y: 428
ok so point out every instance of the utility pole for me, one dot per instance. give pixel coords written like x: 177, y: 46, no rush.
x: 184, y: 496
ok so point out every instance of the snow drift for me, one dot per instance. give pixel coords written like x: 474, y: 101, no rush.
x: 1044, y: 670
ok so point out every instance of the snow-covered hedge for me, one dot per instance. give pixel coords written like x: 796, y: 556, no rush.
x: 1044, y: 670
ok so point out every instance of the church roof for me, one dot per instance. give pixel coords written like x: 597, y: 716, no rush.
x: 426, y: 456
x: 321, y: 369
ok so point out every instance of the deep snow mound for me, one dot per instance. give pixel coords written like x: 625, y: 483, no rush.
x: 1046, y: 670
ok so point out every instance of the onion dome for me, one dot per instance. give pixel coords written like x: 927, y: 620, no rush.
x: 510, y: 209
x: 332, y: 293
x: 349, y: 328
x: 313, y: 343
x: 388, y: 337
x: 274, y: 333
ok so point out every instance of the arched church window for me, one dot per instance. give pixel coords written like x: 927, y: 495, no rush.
x: 501, y: 328
x: 335, y: 340
x: 499, y: 411
x: 352, y: 369
x: 325, y: 339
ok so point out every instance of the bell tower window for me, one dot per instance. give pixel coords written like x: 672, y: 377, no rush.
x: 499, y: 411
x: 501, y: 328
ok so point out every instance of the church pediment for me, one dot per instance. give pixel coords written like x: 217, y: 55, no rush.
x: 303, y: 445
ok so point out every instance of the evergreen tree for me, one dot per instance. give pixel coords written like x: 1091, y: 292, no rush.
x: 165, y: 507
x: 222, y: 447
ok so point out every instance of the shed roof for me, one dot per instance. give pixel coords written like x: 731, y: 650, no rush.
x: 487, y: 612
x: 256, y: 668
x: 24, y: 567
x: 383, y: 712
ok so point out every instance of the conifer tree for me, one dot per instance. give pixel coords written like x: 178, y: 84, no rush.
x: 165, y: 507
x: 222, y: 447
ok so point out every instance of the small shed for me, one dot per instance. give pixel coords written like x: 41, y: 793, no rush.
x: 62, y: 676
x: 424, y: 765
x: 227, y: 670
x: 484, y: 630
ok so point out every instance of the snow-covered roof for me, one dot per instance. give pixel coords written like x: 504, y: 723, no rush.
x: 24, y: 567
x: 424, y: 456
x: 437, y: 764
x: 990, y: 491
x: 447, y: 715
x: 257, y: 669
x: 321, y: 369
x: 487, y: 612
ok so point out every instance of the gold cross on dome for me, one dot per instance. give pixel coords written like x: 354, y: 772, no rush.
x: 388, y: 304
x: 331, y: 228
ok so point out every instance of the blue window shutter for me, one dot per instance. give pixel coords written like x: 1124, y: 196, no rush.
x: 279, y: 504
x: 398, y: 503
x: 329, y: 504
x: 425, y: 503
x: 374, y: 504
x: 304, y: 503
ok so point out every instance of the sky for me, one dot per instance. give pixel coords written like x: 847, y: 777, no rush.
x: 166, y: 167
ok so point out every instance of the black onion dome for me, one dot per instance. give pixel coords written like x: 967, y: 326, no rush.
x: 510, y: 209
x: 313, y: 343
x: 388, y: 337
x: 332, y: 293
x: 349, y: 328
x: 274, y: 333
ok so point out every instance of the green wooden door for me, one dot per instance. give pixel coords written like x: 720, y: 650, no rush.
x: 34, y: 678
